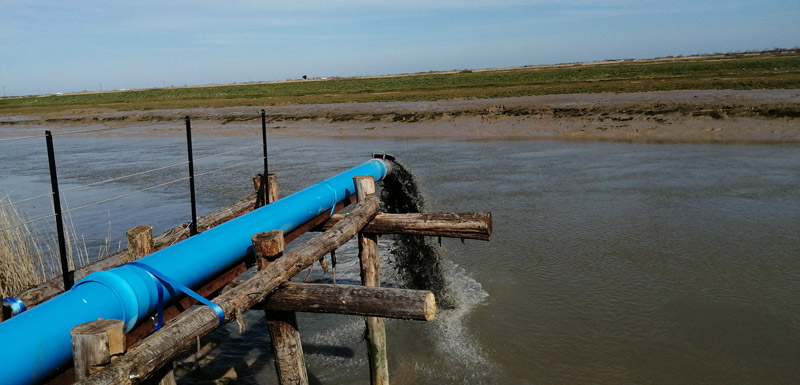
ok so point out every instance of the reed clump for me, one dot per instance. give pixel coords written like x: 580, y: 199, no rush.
x: 21, y: 258
x: 29, y: 257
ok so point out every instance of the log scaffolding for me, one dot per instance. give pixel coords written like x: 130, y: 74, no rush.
x: 105, y: 355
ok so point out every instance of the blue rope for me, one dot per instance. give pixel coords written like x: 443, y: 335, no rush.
x: 176, y: 285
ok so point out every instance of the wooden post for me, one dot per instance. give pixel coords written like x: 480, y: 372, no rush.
x: 93, y: 344
x: 267, y: 246
x: 272, y: 187
x: 370, y: 276
x: 140, y: 242
x: 286, y: 347
x: 271, y: 193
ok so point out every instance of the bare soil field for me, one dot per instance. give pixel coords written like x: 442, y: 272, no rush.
x: 709, y: 116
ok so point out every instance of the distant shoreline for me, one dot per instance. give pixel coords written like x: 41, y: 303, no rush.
x: 778, y: 69
x: 755, y: 116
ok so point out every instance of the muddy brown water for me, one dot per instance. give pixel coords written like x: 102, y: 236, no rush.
x: 610, y: 262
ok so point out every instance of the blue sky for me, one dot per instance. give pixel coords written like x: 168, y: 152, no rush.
x: 62, y: 46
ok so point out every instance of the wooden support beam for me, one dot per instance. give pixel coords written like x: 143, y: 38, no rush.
x: 370, y: 276
x: 354, y: 300
x: 181, y: 333
x: 452, y: 225
x: 287, y: 349
x: 94, y: 343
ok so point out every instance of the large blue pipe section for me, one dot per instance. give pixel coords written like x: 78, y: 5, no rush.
x: 36, y: 343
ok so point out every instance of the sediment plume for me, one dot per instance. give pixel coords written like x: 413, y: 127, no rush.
x: 417, y: 258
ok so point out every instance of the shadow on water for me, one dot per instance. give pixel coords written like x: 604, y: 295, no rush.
x: 230, y: 357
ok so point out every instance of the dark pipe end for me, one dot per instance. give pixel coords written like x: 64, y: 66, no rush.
x: 383, y: 156
x: 387, y: 159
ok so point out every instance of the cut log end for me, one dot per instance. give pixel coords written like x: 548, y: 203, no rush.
x: 268, y: 244
x: 488, y: 225
x: 430, y: 307
x: 113, y: 328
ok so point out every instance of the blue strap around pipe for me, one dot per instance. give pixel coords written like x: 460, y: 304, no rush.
x: 16, y: 305
x: 176, y: 285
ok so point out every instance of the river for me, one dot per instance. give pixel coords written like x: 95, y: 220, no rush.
x: 609, y: 262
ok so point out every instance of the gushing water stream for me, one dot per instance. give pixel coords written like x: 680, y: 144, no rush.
x: 417, y: 258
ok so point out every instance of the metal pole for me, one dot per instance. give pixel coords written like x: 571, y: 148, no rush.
x: 69, y: 280
x: 265, y: 176
x: 193, y: 224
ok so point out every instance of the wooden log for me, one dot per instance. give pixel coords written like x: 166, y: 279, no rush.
x: 287, y: 349
x: 181, y: 333
x: 452, y: 225
x: 55, y: 286
x: 140, y: 242
x: 370, y: 276
x: 93, y: 344
x: 354, y: 300
x: 270, y: 194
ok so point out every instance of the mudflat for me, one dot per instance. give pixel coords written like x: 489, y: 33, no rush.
x: 708, y: 116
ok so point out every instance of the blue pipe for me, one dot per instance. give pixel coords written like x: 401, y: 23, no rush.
x: 36, y: 343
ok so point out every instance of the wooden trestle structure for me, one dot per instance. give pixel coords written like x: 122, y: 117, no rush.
x: 104, y: 354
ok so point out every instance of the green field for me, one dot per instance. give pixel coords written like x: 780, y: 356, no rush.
x: 739, y: 71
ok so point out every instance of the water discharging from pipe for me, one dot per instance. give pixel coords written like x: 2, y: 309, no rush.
x: 417, y: 258
x: 419, y: 263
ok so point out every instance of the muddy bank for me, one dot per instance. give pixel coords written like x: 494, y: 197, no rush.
x: 757, y: 116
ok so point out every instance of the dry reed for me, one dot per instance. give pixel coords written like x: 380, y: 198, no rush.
x: 28, y: 256
x: 21, y: 257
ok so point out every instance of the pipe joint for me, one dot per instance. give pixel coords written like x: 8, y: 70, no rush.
x: 122, y: 290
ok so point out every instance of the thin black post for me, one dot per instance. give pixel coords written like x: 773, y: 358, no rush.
x: 265, y: 176
x: 62, y: 241
x: 193, y: 225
